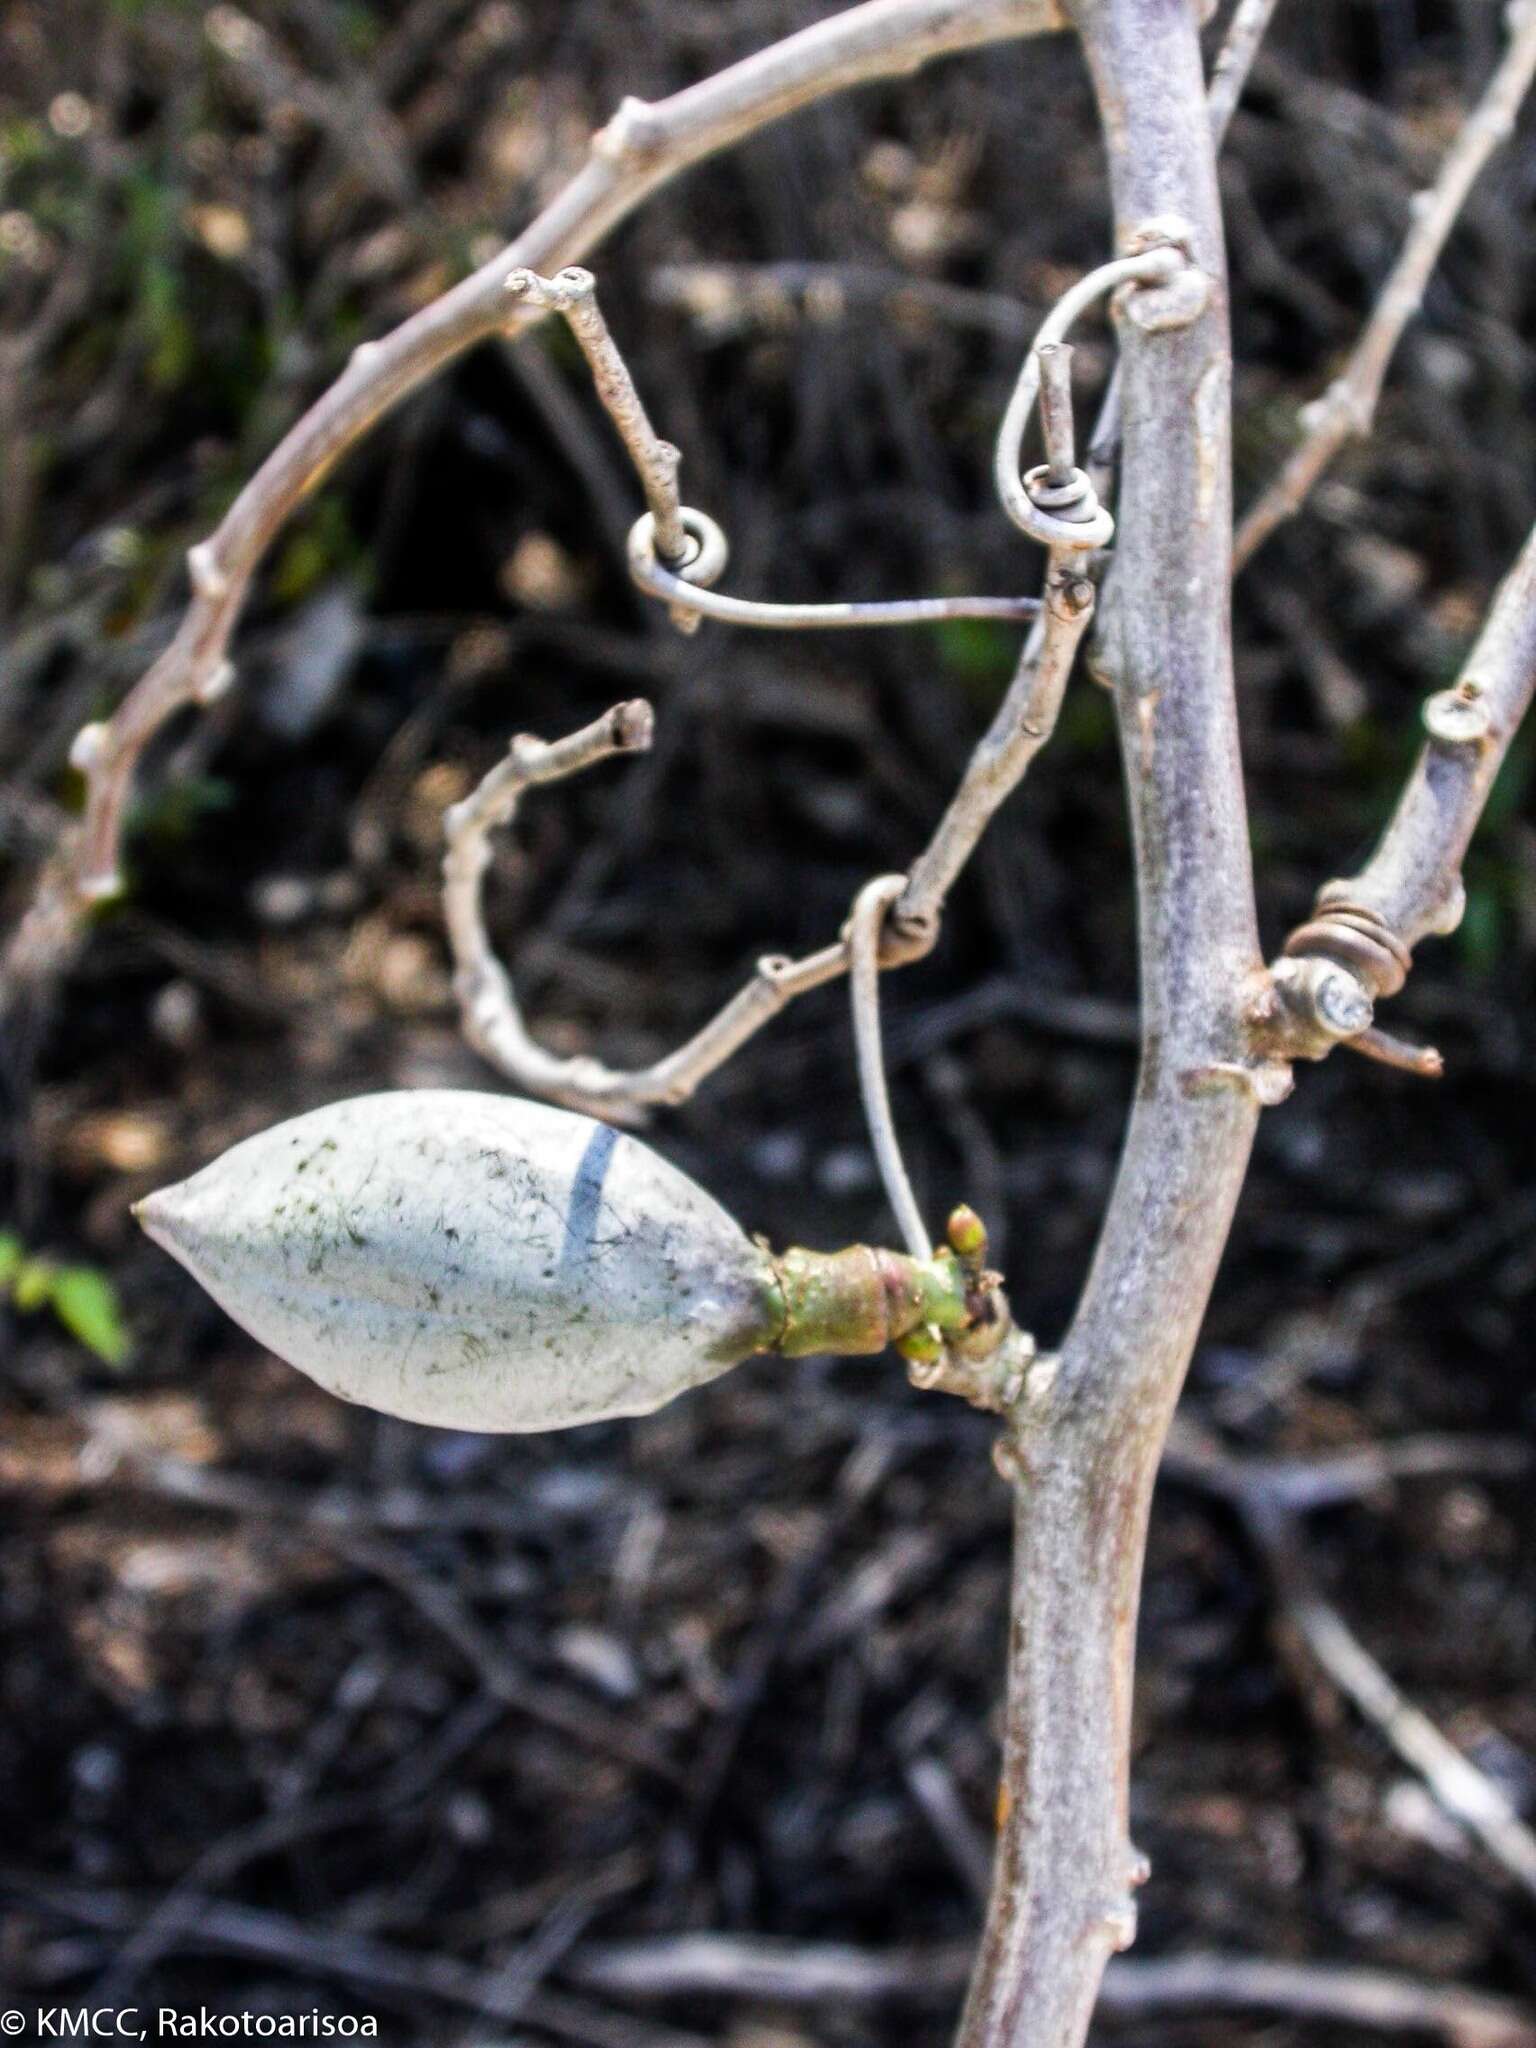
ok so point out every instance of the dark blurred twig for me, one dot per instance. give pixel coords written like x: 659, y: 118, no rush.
x: 1348, y: 407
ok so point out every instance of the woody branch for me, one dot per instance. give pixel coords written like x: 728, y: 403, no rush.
x: 641, y: 149
x: 1357, y: 946
x: 1063, y: 1886
x: 1054, y: 504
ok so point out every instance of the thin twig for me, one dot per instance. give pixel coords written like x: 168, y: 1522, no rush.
x: 685, y: 593
x: 1382, y: 2000
x: 1024, y: 722
x: 1469, y: 1796
x: 1077, y: 520
x: 802, y: 1973
x: 870, y: 908
x: 1271, y: 1504
x: 1234, y: 61
x: 726, y: 298
x: 1348, y: 407
x: 488, y: 1006
x: 790, y: 1973
x: 340, y: 1955
x: 573, y: 294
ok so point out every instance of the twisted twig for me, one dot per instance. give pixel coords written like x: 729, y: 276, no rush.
x: 677, y: 553
x: 642, y: 148
x: 1062, y: 509
x: 685, y: 590
x: 1024, y: 721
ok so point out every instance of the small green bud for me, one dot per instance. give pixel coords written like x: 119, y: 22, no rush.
x: 921, y: 1347
x: 967, y: 1235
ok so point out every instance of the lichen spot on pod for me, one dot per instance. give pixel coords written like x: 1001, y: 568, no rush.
x: 475, y: 1261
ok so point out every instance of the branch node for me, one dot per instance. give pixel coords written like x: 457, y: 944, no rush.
x: 1119, y: 1924
x: 1424, y: 1061
x: 1320, y: 994
x: 217, y: 683
x: 1460, y: 716
x: 703, y: 560
x: 1165, y: 308
x: 103, y: 888
x: 1267, y: 1081
x: 208, y: 579
x: 1070, y: 596
x: 1357, y: 937
x: 1008, y: 1460
x: 1159, y: 231
x: 1032, y: 1399
x: 88, y: 748
x: 633, y: 136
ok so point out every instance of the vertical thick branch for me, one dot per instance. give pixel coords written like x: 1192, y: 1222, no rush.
x: 1063, y: 1889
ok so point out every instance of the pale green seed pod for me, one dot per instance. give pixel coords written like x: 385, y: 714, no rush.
x: 472, y: 1260
x: 482, y: 1262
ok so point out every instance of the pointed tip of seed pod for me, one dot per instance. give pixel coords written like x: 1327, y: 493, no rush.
x: 157, y: 1215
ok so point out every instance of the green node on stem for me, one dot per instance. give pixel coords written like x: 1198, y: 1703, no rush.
x: 855, y: 1302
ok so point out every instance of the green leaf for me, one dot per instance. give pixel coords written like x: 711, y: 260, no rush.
x: 979, y: 653
x: 86, y: 1303
x: 1508, y: 793
x: 12, y: 1253
x: 1481, y: 934
x: 32, y: 1284
x: 323, y: 545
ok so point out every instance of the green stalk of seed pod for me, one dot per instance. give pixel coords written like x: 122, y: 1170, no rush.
x: 481, y: 1262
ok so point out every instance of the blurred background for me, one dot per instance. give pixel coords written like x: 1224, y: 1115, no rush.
x: 304, y: 1710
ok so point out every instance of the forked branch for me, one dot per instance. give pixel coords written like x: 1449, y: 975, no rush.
x: 1053, y: 503
x: 641, y: 149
